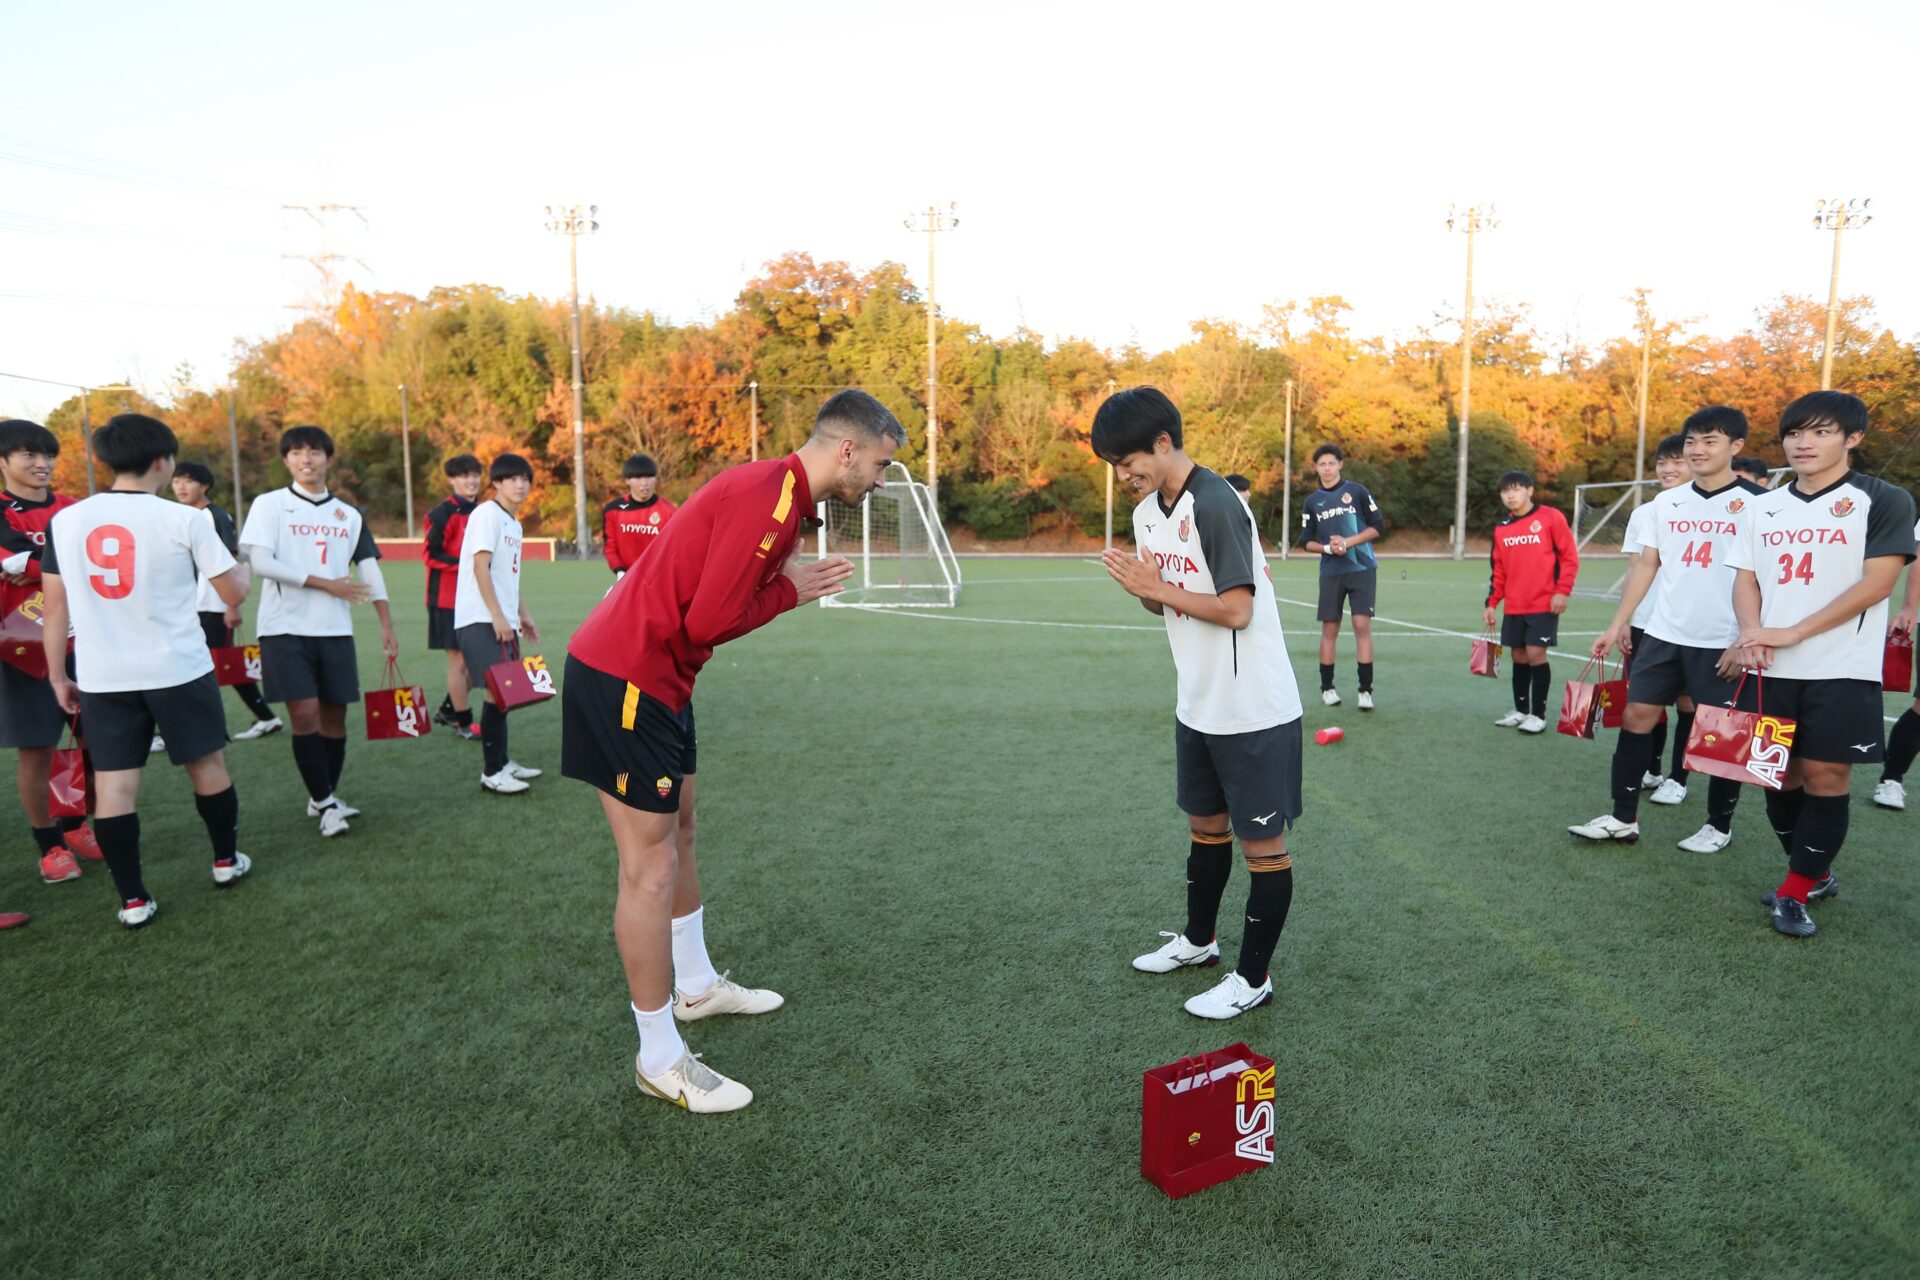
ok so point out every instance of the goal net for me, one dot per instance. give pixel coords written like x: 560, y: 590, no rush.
x: 1600, y: 516
x: 900, y: 553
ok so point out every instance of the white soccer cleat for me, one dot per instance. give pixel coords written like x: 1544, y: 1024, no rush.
x: 522, y: 772
x: 333, y: 821
x: 724, y: 996
x: 1532, y: 724
x: 1365, y: 701
x: 1669, y: 792
x: 503, y: 783
x: 1232, y: 997
x: 224, y: 876
x: 692, y: 1085
x: 258, y: 729
x: 158, y: 745
x: 332, y: 802
x: 1330, y: 697
x: 1178, y: 954
x: 136, y: 913
x: 1707, y: 840
x: 1649, y: 781
x: 1889, y: 794
x: 1511, y: 720
x: 1607, y: 827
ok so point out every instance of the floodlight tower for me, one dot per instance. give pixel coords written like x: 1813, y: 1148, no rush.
x: 569, y: 221
x: 933, y: 220
x: 1472, y: 220
x: 1839, y: 217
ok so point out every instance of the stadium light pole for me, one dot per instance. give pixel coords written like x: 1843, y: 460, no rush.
x: 753, y: 422
x: 569, y: 221
x: 1646, y: 372
x: 233, y: 444
x: 406, y: 457
x: 1471, y: 220
x: 933, y: 220
x: 1839, y: 217
x: 1286, y: 483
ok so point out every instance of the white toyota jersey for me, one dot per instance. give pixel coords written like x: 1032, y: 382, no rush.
x: 131, y: 563
x: 1695, y: 531
x: 1639, y: 538
x: 1229, y: 681
x: 1806, y: 550
x: 489, y: 529
x: 320, y: 537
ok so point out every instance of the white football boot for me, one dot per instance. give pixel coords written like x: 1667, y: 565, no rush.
x: 1607, y: 827
x: 1707, y: 840
x: 1366, y: 700
x: 224, y: 876
x: 503, y: 783
x: 136, y: 913
x: 1232, y: 997
x: 1511, y: 720
x: 724, y: 996
x: 1650, y: 781
x: 1669, y: 792
x: 332, y: 802
x: 158, y: 745
x: 1330, y: 697
x: 692, y: 1085
x: 333, y: 821
x: 1889, y: 794
x: 1532, y: 724
x: 259, y: 729
x: 522, y: 772
x: 1178, y: 954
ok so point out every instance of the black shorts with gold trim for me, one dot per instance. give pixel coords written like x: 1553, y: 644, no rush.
x: 616, y: 738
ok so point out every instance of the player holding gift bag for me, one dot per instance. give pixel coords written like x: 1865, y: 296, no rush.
x: 1815, y: 565
x: 488, y: 614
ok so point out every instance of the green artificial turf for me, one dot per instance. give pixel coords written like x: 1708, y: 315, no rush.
x: 1500, y: 1051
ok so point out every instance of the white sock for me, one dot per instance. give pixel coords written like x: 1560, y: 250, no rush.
x: 660, y: 1043
x: 693, y: 972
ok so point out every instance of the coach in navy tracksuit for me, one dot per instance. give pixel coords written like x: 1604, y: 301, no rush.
x: 1337, y: 521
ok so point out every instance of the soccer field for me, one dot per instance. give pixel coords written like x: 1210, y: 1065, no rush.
x: 943, y: 835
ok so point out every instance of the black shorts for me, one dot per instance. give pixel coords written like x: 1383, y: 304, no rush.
x: 618, y: 739
x: 1254, y: 778
x: 477, y: 646
x: 1518, y: 630
x: 1662, y: 671
x: 440, y: 629
x: 120, y: 726
x: 296, y: 667
x: 1639, y: 635
x: 1839, y: 720
x: 214, y: 626
x: 1336, y: 589
x: 30, y: 716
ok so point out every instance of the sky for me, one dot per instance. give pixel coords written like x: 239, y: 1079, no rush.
x: 1120, y: 169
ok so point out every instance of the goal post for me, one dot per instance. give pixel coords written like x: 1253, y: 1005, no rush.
x: 900, y: 552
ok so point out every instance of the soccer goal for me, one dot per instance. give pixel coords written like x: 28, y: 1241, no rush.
x: 900, y: 552
x: 1600, y: 515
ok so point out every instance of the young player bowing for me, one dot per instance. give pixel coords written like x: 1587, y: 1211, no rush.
x: 627, y: 728
x: 1236, y: 728
x: 124, y: 566
x: 488, y: 613
x: 1817, y: 561
x: 1683, y: 569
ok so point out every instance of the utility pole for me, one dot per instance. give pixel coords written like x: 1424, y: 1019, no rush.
x: 1286, y: 482
x: 323, y: 257
x: 86, y: 427
x: 233, y: 444
x: 1471, y: 220
x: 1110, y: 390
x: 753, y: 437
x: 406, y: 456
x: 1646, y: 371
x: 1837, y: 216
x: 933, y: 220
x: 568, y: 221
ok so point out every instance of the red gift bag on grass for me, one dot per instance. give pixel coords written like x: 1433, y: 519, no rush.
x: 1612, y: 697
x: 1486, y: 657
x: 519, y: 681
x: 236, y: 664
x: 20, y: 637
x: 1896, y: 667
x: 67, y: 793
x: 1204, y: 1120
x: 1746, y: 746
x: 1580, y: 705
x: 397, y: 711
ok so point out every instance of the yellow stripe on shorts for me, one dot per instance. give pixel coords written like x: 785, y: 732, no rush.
x: 629, y: 705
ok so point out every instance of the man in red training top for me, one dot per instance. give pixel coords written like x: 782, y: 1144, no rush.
x: 631, y: 524
x: 446, y: 528
x: 1534, y: 565
x: 719, y: 571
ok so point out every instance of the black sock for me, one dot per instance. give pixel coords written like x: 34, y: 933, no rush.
x: 1818, y: 835
x: 48, y: 838
x: 72, y: 824
x: 1902, y: 745
x: 446, y: 703
x: 1366, y: 677
x: 1629, y: 764
x: 493, y: 739
x: 311, y: 759
x: 221, y: 813
x: 1208, y: 866
x: 1522, y: 682
x: 250, y: 695
x: 1657, y: 747
x: 1326, y: 682
x: 336, y: 749
x: 1542, y: 677
x: 1682, y: 730
x: 120, y: 844
x: 1723, y: 795
x: 1783, y: 814
x: 1268, y: 901
x: 465, y: 718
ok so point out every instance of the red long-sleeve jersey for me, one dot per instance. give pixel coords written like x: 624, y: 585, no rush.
x: 1534, y: 559
x: 446, y: 528
x: 630, y: 527
x: 712, y: 576
x: 25, y: 529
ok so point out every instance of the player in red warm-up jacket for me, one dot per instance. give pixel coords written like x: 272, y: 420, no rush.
x: 1534, y: 564
x: 631, y: 524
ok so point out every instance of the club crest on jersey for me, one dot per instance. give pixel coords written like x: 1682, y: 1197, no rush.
x: 1534, y: 527
x: 1844, y: 507
x: 338, y: 514
x: 1186, y: 527
x: 654, y: 518
x: 664, y: 786
x: 1735, y: 507
x: 1346, y: 499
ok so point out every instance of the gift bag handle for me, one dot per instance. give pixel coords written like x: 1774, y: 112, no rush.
x: 394, y: 677
x: 1759, y: 691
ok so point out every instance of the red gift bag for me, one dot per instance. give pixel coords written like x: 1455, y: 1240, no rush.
x: 1204, y: 1120
x: 1896, y: 667
x: 519, y: 681
x: 397, y: 711
x: 1486, y: 657
x: 1580, y: 705
x: 21, y: 632
x: 1612, y: 697
x: 236, y: 664
x: 1746, y: 746
x: 67, y: 793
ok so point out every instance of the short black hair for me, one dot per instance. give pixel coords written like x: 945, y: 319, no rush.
x: 1724, y: 418
x: 462, y: 464
x: 861, y: 415
x: 509, y: 465
x: 1129, y: 421
x: 1240, y: 482
x: 1509, y: 479
x: 305, y: 438
x: 199, y: 472
x: 131, y: 443
x: 1849, y: 413
x: 1675, y: 446
x: 17, y: 435
x: 1753, y: 465
x: 638, y: 467
x: 1329, y: 450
